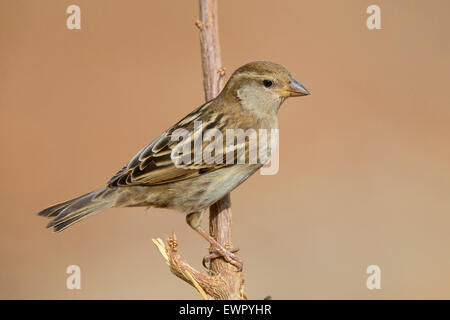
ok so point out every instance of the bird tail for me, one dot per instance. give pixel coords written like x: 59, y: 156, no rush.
x: 67, y: 213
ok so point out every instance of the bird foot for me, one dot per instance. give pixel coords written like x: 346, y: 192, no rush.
x: 229, y: 255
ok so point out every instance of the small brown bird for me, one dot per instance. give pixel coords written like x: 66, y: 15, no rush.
x: 156, y: 178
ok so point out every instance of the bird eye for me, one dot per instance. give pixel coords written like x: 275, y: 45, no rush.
x: 267, y: 83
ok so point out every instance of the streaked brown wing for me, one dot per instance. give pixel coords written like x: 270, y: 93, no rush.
x: 153, y: 165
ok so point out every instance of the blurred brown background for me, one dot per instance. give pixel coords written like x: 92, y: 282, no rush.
x: 364, y: 176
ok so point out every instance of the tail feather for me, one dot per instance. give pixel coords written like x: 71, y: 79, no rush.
x: 57, y: 208
x: 72, y: 211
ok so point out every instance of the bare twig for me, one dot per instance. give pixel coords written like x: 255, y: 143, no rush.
x: 211, y: 285
x: 222, y: 282
x: 220, y: 212
x: 210, y: 48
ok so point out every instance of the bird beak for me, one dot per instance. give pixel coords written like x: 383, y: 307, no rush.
x: 294, y: 89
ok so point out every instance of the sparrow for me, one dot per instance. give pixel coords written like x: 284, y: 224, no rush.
x: 158, y: 177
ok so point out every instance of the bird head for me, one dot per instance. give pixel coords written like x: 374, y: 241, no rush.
x: 263, y: 84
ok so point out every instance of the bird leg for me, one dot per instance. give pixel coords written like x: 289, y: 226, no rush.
x: 194, y: 221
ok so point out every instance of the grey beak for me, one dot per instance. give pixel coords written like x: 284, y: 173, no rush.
x: 295, y: 89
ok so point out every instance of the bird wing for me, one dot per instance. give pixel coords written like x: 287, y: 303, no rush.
x: 156, y: 165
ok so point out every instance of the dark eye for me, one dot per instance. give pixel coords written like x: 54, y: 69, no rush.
x: 267, y: 83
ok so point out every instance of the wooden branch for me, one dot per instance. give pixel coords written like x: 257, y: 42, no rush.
x: 222, y: 282
x: 210, y: 49
x: 216, y: 286
x: 220, y: 212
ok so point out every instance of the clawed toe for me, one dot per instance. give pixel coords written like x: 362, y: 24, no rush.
x: 217, y: 250
x: 228, y: 255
